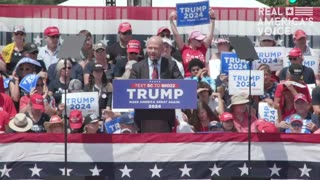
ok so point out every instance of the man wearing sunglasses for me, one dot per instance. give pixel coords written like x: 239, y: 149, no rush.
x: 165, y: 33
x: 50, y: 52
x: 295, y: 56
x: 119, y: 49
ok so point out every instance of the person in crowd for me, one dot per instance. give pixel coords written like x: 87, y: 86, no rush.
x: 91, y: 124
x: 165, y: 33
x: 197, y: 43
x: 20, y: 123
x: 119, y: 49
x: 285, y: 91
x: 4, y: 121
x: 42, y: 89
x: 6, y: 105
x: 98, y: 83
x: 263, y: 126
x: 300, y: 42
x: 296, y: 57
x: 54, y: 125
x: 316, y: 100
x: 240, y: 111
x: 87, y: 48
x: 214, y: 100
x: 267, y: 41
x: 215, y: 126
x: 49, y: 53
x: 12, y: 52
x: 223, y: 45
x: 295, y: 124
x: 269, y: 85
x: 124, y: 65
x: 75, y: 85
x: 301, y: 106
x: 155, y: 67
x: 100, y: 58
x: 36, y: 113
x: 201, y: 117
x: 63, y: 77
x: 200, y: 73
x: 75, y: 121
x: 127, y: 125
x: 167, y: 51
x: 226, y: 119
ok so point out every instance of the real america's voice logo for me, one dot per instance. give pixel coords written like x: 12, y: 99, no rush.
x: 284, y: 21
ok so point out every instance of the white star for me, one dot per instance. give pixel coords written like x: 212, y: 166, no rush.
x: 257, y: 43
x: 61, y: 40
x: 305, y: 171
x: 275, y: 170
x: 279, y: 42
x: 68, y: 171
x: 35, y: 170
x: 215, y: 170
x: 104, y: 41
x: 145, y: 41
x: 155, y: 171
x: 308, y: 41
x: 244, y: 170
x: 185, y: 170
x: 125, y: 171
x: 95, y: 171
x: 37, y: 40
x: 5, y: 171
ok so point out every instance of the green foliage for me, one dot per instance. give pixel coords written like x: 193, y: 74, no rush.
x: 34, y: 2
x: 277, y: 3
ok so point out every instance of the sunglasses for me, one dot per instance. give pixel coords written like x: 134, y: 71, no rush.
x: 296, y: 124
x: 293, y: 58
x: 19, y: 33
x: 35, y: 52
x: 54, y: 37
x: 69, y: 68
x: 165, y: 35
x: 127, y: 33
x: 99, y: 50
x: 39, y: 85
x: 133, y: 53
x: 195, y: 69
x: 25, y: 69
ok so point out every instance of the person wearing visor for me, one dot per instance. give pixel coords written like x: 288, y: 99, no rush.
x: 197, y: 42
x: 223, y: 45
x: 295, y: 56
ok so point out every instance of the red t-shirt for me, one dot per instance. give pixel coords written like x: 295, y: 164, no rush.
x: 4, y: 120
x: 243, y: 126
x: 7, y: 105
x: 188, y: 54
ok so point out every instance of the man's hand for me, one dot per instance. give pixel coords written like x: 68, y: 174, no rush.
x: 283, y: 125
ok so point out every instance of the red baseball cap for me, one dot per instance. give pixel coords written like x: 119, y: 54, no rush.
x: 295, y: 52
x: 51, y: 31
x: 134, y: 46
x: 299, y: 34
x: 75, y: 119
x: 124, y: 27
x: 226, y: 116
x: 300, y: 96
x: 264, y: 126
x: 160, y: 30
x: 296, y: 118
x: 37, y: 102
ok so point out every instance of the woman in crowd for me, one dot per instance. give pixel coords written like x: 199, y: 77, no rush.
x: 201, y: 117
x: 223, y: 45
x: 98, y: 83
x: 214, y: 100
x: 55, y: 125
x: 12, y: 53
x: 270, y: 85
x: 197, y: 43
x: 87, y: 48
x: 226, y: 119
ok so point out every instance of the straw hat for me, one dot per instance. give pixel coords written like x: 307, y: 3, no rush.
x: 238, y: 99
x: 21, y: 123
x: 53, y: 120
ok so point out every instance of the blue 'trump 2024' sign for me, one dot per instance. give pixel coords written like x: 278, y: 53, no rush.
x: 155, y: 94
x: 191, y: 14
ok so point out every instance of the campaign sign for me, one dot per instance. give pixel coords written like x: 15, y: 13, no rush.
x: 267, y: 113
x: 155, y: 94
x: 273, y: 56
x: 230, y: 61
x: 6, y: 82
x: 191, y: 14
x: 29, y: 82
x: 86, y: 102
x: 239, y: 82
x: 112, y: 125
x: 304, y: 126
x: 308, y: 61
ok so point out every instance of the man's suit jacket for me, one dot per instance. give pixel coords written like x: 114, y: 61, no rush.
x: 168, y: 70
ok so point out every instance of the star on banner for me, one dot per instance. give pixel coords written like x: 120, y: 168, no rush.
x: 279, y: 42
x: 145, y: 41
x: 155, y: 171
x: 37, y: 40
x: 185, y: 170
x: 95, y: 171
x: 61, y: 40
x: 215, y: 170
x: 305, y: 171
x: 5, y: 171
x: 244, y: 170
x: 274, y: 170
x: 125, y: 171
x: 289, y: 11
x: 257, y: 43
x: 35, y: 171
x: 104, y: 41
x: 68, y: 171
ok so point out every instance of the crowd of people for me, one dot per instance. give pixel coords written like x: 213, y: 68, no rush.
x: 41, y: 109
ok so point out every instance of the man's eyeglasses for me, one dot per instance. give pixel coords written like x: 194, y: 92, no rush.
x: 54, y: 37
x: 296, y: 124
x: 99, y: 50
x: 19, y: 33
x: 293, y: 58
x: 127, y: 33
x: 133, y: 53
x: 69, y: 68
x: 165, y: 35
x: 35, y: 52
